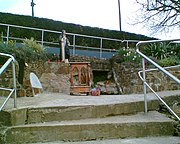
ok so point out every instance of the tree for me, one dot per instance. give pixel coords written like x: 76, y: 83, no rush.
x: 160, y: 15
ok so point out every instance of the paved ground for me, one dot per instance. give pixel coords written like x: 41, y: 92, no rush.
x: 146, y: 140
x: 59, y: 99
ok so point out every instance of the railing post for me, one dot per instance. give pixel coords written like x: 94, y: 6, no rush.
x: 2, y: 36
x: 14, y: 83
x: 127, y: 44
x: 101, y: 48
x: 74, y: 43
x: 42, y: 38
x: 144, y: 85
x: 7, y: 38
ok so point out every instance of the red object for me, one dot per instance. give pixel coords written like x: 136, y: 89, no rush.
x: 48, y: 60
x: 96, y: 92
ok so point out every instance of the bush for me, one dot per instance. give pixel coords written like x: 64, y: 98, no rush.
x: 31, y: 50
x: 28, y: 50
x: 160, y: 50
x: 177, y: 50
x: 8, y: 49
x: 172, y: 60
x: 129, y: 55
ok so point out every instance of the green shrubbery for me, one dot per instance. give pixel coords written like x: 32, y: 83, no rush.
x: 165, y: 54
x: 169, y: 61
x: 129, y: 54
x: 30, y: 50
x: 160, y: 50
x: 8, y: 49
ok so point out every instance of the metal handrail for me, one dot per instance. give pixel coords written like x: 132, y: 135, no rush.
x: 143, y: 78
x: 150, y: 70
x: 75, y: 37
x: 13, y: 90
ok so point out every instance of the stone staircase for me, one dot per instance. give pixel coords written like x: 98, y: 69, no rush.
x: 58, y: 117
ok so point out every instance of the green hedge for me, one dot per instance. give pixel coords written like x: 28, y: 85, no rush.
x: 49, y: 24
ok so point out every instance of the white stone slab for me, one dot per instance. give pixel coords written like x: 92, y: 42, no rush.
x: 35, y: 83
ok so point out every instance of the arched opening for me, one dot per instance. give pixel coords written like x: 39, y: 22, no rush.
x: 75, y: 76
x: 83, y: 76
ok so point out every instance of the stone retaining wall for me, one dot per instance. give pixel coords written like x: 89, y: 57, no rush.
x: 97, y: 64
x: 127, y: 75
x: 55, y: 76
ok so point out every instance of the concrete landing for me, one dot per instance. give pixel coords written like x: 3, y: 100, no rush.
x: 60, y: 99
x: 145, y: 140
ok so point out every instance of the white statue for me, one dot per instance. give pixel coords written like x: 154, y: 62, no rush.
x: 64, y: 49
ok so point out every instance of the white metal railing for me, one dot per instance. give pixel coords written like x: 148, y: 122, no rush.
x: 143, y: 77
x: 12, y: 61
x: 75, y: 37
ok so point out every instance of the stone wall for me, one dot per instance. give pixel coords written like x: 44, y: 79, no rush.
x: 97, y: 64
x: 6, y: 79
x: 36, y: 67
x: 129, y: 81
x: 54, y: 77
x: 127, y: 78
x: 159, y: 81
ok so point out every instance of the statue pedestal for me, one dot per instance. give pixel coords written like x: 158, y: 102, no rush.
x: 80, y: 78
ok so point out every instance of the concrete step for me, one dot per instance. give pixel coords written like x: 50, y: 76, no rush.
x: 61, y: 113
x: 143, y: 140
x: 56, y: 107
x: 138, y: 125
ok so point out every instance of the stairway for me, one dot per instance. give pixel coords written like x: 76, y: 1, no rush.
x: 55, y: 117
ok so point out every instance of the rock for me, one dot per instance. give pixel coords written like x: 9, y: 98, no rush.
x: 107, y: 87
x: 55, y: 82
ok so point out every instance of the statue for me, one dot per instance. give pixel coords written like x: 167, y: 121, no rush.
x: 64, y: 49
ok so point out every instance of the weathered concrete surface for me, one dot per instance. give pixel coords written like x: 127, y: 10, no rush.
x: 84, y: 117
x: 139, y: 125
x: 60, y: 99
x: 59, y: 107
x: 13, y: 117
x: 144, y: 140
x: 81, y: 112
